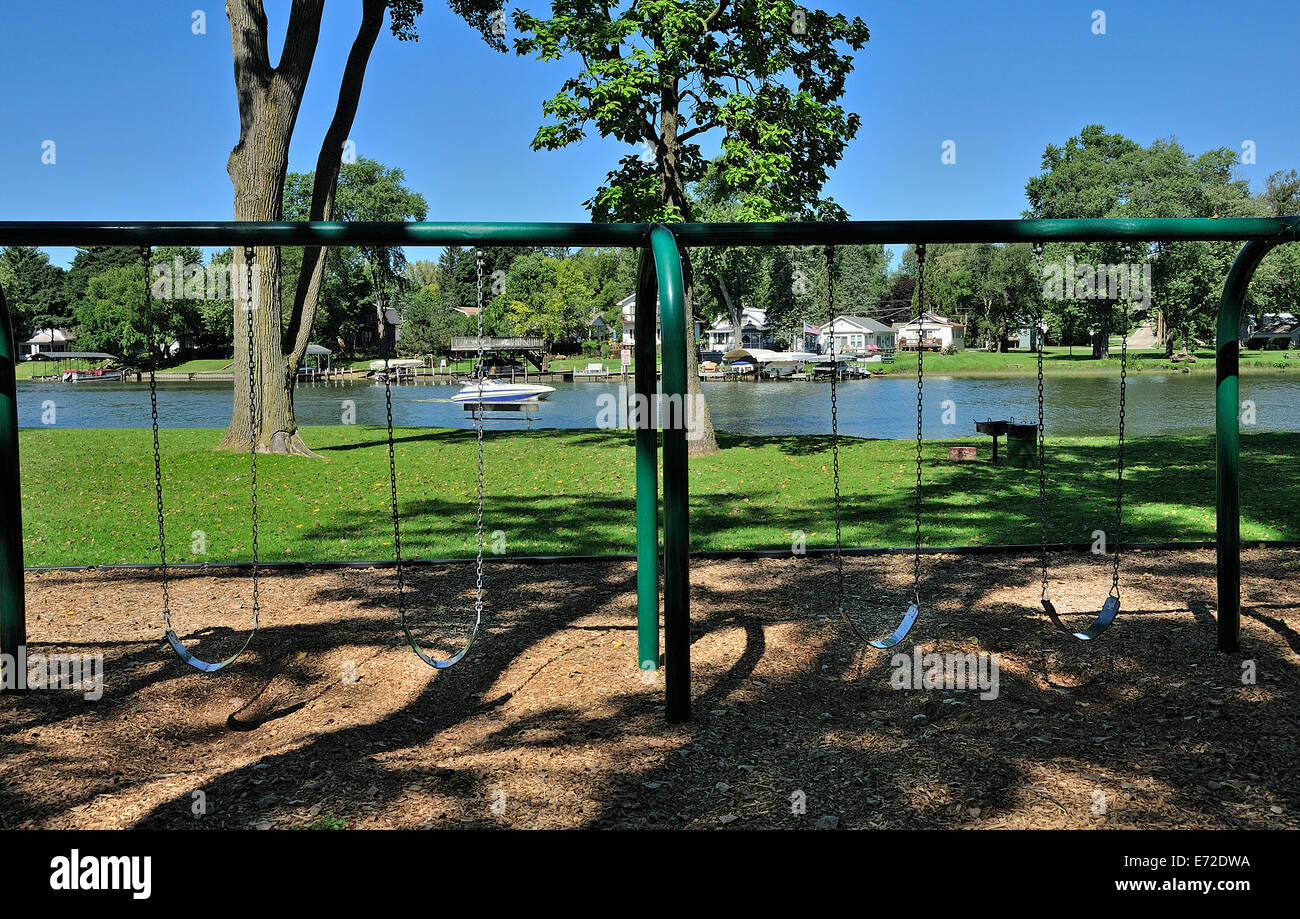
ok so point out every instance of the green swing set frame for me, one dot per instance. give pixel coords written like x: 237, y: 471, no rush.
x: 660, y: 279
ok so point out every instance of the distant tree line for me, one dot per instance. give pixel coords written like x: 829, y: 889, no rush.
x: 557, y: 294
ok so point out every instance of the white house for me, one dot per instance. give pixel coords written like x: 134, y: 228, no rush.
x: 49, y: 341
x: 754, y: 332
x: 933, y: 331
x: 627, y: 309
x: 858, y: 333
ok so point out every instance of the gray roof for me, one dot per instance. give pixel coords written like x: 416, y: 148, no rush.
x: 1276, y: 330
x: 867, y: 323
x: 72, y: 356
x: 318, y: 349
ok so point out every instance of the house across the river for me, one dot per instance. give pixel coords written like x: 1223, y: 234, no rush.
x: 627, y: 310
x: 858, y: 334
x: 931, y: 332
x: 1275, y: 331
x: 754, y: 332
x: 50, y: 341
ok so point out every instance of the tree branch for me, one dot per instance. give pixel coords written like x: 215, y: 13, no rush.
x: 248, y: 28
x: 328, y: 164
x: 713, y: 17
x: 300, y: 43
x: 252, y: 66
x: 682, y: 138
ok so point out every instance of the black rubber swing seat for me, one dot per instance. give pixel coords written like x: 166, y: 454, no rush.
x: 1109, y: 610
x: 883, y: 644
x: 440, y: 663
x: 188, y: 657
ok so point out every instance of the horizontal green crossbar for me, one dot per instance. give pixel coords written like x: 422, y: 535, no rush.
x: 227, y: 233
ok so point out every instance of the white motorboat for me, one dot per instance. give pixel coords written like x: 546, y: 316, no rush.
x: 500, y: 392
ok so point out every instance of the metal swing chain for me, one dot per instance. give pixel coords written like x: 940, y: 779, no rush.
x: 147, y: 253
x: 392, y: 488
x: 1042, y: 432
x: 920, y: 381
x: 835, y: 431
x: 478, y: 430
x: 1119, y: 463
x: 254, y: 424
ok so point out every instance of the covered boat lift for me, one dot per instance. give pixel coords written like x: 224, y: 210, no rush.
x: 72, y: 357
x: 763, y: 359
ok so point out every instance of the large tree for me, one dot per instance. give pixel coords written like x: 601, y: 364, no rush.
x: 112, y: 317
x: 427, y: 328
x: 367, y: 191
x: 1099, y: 174
x: 1090, y: 175
x: 269, y: 98
x: 34, y: 289
x: 767, y: 75
x: 548, y: 297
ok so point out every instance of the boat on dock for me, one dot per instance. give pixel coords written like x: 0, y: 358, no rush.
x: 395, y: 369
x: 769, y: 364
x: 93, y: 375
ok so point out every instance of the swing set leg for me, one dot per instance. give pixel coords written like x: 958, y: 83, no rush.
x: 13, y: 615
x: 1228, y: 443
x: 677, y: 524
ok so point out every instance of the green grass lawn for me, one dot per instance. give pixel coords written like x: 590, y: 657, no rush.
x: 560, y: 364
x: 200, y: 365
x: 26, y: 370
x: 1060, y: 360
x: 88, y: 494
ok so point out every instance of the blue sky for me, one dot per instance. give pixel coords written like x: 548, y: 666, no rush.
x: 143, y: 114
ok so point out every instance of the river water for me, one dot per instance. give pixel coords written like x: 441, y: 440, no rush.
x: 876, y: 408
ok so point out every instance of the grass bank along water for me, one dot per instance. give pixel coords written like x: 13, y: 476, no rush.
x: 88, y: 494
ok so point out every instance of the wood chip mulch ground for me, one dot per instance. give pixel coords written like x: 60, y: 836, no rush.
x: 330, y: 721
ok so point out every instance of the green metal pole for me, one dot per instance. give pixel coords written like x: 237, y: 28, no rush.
x: 851, y: 232
x: 13, y: 612
x: 1228, y: 440
x: 647, y: 468
x: 677, y: 523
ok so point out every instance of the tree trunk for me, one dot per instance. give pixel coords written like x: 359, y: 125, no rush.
x: 733, y: 311
x: 702, y: 440
x: 381, y: 321
x: 1101, y: 343
x: 273, y: 372
x: 269, y: 100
